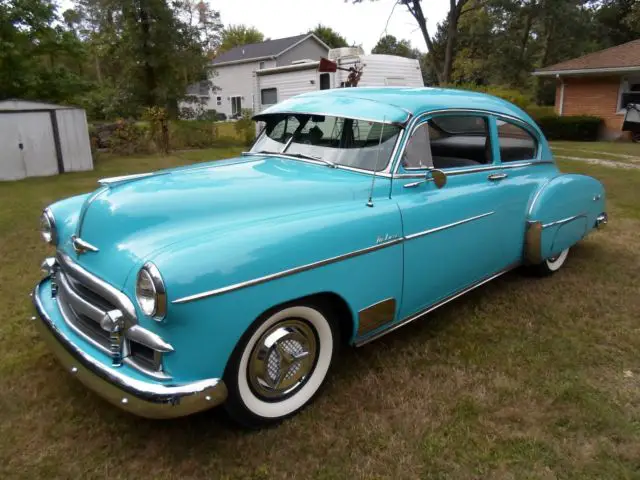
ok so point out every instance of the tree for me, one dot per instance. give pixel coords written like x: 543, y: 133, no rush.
x: 390, y: 45
x: 443, y: 66
x: 329, y: 36
x: 236, y: 35
x: 38, y: 58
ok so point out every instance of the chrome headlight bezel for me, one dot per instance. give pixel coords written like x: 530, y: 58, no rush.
x: 152, y: 297
x: 48, y: 229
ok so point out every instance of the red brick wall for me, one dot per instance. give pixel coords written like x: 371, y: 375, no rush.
x: 592, y: 96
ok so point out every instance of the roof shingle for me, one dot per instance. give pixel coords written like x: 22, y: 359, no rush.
x: 250, y: 51
x: 620, y: 56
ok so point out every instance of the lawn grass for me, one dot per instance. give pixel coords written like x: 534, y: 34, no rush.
x: 617, y: 151
x: 522, y: 378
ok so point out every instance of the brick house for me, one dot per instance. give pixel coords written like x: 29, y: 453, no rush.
x: 601, y: 84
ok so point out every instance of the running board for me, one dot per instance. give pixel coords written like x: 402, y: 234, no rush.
x: 422, y: 313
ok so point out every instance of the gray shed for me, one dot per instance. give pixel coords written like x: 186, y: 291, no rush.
x: 38, y: 139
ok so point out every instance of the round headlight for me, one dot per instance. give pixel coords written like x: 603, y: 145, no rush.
x: 150, y: 292
x: 48, y: 227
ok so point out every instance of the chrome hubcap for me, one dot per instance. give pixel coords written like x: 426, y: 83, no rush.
x: 282, y: 359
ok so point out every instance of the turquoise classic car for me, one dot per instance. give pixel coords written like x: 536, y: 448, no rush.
x: 357, y: 211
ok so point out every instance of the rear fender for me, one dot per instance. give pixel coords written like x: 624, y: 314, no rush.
x: 561, y: 213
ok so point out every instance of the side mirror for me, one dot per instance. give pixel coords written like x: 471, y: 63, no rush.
x: 439, y: 177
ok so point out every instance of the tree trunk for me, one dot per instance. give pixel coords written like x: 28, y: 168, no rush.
x: 415, y: 9
x: 149, y: 73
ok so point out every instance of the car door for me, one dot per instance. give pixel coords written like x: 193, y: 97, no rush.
x: 523, y: 172
x: 450, y: 240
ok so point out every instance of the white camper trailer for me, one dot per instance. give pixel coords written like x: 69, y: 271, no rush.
x: 273, y: 85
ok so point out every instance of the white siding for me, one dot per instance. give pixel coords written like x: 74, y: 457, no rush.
x: 384, y: 70
x: 288, y: 85
x: 74, y: 140
x: 310, y: 49
x: 234, y: 80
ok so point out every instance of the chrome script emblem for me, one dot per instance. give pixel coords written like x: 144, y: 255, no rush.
x: 386, y: 238
x: 80, y: 246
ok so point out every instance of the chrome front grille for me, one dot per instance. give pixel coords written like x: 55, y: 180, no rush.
x: 84, y: 300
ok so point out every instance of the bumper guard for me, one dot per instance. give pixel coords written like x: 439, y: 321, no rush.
x: 146, y: 399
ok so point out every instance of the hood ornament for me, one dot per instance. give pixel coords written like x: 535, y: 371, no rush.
x: 80, y: 246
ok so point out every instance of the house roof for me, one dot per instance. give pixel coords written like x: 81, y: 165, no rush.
x: 266, y: 49
x: 621, y: 58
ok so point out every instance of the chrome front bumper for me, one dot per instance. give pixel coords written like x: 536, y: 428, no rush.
x: 143, y: 398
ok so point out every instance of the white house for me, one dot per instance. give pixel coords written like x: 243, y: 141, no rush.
x: 276, y: 84
x: 232, y: 72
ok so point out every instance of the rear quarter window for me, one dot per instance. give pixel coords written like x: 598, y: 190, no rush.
x: 515, y: 142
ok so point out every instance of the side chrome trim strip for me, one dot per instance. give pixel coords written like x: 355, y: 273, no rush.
x: 422, y: 313
x: 445, y: 227
x: 286, y: 273
x: 563, y: 221
x: 310, y: 266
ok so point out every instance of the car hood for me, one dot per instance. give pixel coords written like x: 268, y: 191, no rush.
x: 129, y: 220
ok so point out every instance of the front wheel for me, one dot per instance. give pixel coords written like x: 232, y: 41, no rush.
x: 552, y: 264
x: 280, y: 364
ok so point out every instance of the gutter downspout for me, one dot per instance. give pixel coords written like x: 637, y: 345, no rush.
x: 561, y: 109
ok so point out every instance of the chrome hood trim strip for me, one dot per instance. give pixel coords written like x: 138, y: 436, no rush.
x: 328, y: 261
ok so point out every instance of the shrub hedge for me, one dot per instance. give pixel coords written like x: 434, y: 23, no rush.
x: 580, y: 128
x: 128, y: 137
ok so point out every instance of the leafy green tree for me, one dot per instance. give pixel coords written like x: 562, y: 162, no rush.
x: 390, y: 45
x: 38, y: 58
x: 236, y: 35
x: 329, y: 36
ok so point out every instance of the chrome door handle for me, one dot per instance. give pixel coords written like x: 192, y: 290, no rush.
x: 494, y: 177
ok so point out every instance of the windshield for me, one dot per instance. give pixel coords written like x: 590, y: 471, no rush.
x: 335, y: 140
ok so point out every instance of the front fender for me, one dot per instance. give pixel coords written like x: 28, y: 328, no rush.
x: 562, y: 212
x: 204, y: 329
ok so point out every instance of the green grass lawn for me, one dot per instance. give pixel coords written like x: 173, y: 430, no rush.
x: 617, y: 151
x: 522, y: 378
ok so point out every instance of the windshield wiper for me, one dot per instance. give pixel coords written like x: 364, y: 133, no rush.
x: 261, y: 152
x: 311, y: 157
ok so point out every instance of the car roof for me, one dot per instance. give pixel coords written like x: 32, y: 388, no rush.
x: 393, y: 104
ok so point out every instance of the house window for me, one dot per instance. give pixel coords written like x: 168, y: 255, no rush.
x: 218, y: 101
x: 261, y: 65
x: 325, y: 81
x: 515, y: 142
x: 629, y: 93
x: 236, y: 106
x: 268, y: 96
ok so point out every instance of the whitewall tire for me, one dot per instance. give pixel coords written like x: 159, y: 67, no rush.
x: 553, y: 264
x: 280, y: 364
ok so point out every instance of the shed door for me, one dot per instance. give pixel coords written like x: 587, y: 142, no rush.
x: 36, y: 135
x: 11, y: 165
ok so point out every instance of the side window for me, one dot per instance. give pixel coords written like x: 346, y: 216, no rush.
x: 449, y: 141
x: 417, y: 152
x: 515, y: 142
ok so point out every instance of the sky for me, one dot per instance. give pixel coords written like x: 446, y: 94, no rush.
x: 362, y: 24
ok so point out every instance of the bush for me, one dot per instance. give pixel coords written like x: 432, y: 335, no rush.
x: 245, y: 127
x: 576, y: 128
x: 522, y: 100
x: 538, y: 111
x: 128, y: 138
x: 200, y: 134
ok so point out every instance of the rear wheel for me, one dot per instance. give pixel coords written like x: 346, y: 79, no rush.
x: 635, y: 137
x: 552, y: 264
x: 280, y: 364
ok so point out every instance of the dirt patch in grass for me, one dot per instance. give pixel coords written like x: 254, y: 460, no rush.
x: 522, y: 378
